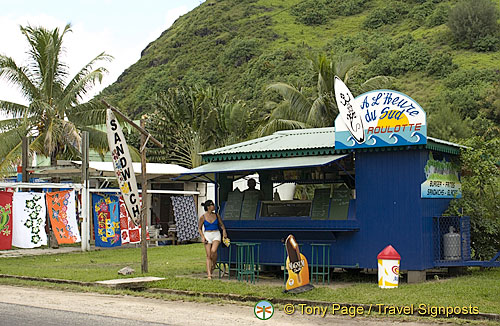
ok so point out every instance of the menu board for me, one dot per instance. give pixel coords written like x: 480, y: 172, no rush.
x: 320, y: 204
x: 249, y: 206
x: 233, y: 205
x: 340, y: 204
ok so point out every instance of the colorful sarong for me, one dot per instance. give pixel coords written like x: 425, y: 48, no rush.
x: 186, y: 220
x: 62, y: 213
x: 106, y: 221
x: 131, y: 233
x: 5, y: 220
x: 28, y: 220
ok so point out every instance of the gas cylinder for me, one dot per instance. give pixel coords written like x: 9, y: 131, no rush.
x: 451, y: 245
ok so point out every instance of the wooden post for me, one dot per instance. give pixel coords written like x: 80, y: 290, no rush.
x: 144, y: 212
x: 145, y: 136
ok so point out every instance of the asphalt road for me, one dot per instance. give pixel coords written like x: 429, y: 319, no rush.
x: 25, y: 315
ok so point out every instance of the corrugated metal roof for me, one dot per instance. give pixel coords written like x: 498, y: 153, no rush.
x: 303, y: 142
x: 282, y: 140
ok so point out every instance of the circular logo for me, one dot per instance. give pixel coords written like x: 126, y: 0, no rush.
x: 263, y: 310
x: 290, y: 282
x: 395, y: 270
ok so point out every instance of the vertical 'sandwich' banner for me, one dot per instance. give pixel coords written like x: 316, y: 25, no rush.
x: 122, y: 164
x: 377, y: 118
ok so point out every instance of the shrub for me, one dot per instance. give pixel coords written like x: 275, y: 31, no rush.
x: 463, y: 77
x: 348, y: 7
x: 440, y: 64
x: 240, y: 51
x: 470, y: 21
x: 311, y: 12
x: 413, y: 56
x: 384, y: 16
x: 486, y: 43
x: 439, y: 16
x: 480, y: 184
x: 421, y: 12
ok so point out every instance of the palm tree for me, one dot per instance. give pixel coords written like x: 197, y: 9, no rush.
x: 297, y: 110
x: 192, y: 120
x: 56, y: 111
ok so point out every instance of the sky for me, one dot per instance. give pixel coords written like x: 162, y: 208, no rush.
x: 121, y: 28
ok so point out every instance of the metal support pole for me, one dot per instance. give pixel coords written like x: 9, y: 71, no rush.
x: 144, y: 212
x: 85, y: 192
x: 24, y: 163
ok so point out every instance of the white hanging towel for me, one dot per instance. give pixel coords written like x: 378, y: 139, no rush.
x: 28, y: 220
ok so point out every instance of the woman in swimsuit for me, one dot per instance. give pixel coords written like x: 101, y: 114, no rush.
x: 208, y: 226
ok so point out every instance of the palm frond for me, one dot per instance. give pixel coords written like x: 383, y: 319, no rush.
x: 90, y: 113
x: 84, y: 80
x: 297, y: 100
x: 344, y: 64
x: 280, y: 124
x: 377, y: 82
x: 14, y: 109
x: 18, y: 76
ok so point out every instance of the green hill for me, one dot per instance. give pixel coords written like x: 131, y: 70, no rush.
x: 241, y: 46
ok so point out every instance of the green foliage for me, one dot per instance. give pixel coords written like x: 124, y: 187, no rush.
x: 486, y: 43
x: 444, y: 122
x: 189, y: 121
x: 347, y: 7
x: 387, y: 15
x: 310, y: 12
x: 481, y: 195
x: 240, y: 51
x: 202, y: 48
x: 440, y: 64
x: 463, y: 77
x: 439, y: 16
x: 470, y: 21
x: 421, y: 12
x: 402, y: 55
x: 412, y: 56
x: 315, y: 107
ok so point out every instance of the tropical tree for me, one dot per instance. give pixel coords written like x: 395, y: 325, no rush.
x: 191, y: 120
x: 298, y: 110
x: 55, y: 112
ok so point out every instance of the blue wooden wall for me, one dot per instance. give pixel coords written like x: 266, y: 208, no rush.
x: 389, y: 211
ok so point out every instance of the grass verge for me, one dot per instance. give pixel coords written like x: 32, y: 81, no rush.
x: 182, y: 266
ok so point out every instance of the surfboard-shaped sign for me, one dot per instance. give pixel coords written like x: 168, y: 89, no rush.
x: 122, y: 164
x: 348, y: 111
x: 389, y: 118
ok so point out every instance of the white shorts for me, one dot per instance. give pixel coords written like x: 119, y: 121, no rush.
x: 212, y: 236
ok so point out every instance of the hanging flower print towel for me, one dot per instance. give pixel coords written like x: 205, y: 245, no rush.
x: 5, y: 220
x: 62, y: 213
x: 106, y: 221
x: 29, y: 220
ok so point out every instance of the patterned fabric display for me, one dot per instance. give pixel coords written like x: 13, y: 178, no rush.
x: 106, y: 221
x: 29, y: 220
x: 185, y: 217
x: 5, y: 220
x: 62, y: 213
x: 131, y: 233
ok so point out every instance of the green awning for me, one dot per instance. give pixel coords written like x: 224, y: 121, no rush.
x: 205, y: 172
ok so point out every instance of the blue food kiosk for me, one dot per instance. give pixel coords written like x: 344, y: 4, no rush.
x: 355, y: 199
